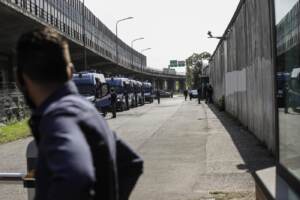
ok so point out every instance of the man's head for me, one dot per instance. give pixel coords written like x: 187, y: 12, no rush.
x: 43, y: 56
x: 43, y: 61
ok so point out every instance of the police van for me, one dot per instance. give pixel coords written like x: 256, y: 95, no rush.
x: 138, y: 87
x: 121, y: 87
x: 294, y: 90
x: 148, y: 92
x: 132, y: 93
x: 94, y: 88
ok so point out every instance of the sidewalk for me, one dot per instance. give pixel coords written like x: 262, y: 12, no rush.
x: 201, y: 153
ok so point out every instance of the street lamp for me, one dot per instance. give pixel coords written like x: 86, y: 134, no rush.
x: 117, y: 41
x: 215, y: 37
x: 132, y: 42
x: 143, y: 50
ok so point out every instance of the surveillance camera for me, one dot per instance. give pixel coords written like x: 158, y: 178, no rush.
x: 209, y: 34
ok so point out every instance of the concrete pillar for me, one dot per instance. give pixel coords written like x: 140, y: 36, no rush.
x: 159, y: 84
x: 154, y: 84
x: 172, y: 85
x: 182, y: 85
x: 165, y: 85
x: 177, y: 86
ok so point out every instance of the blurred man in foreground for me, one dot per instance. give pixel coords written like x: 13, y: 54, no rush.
x: 77, y: 152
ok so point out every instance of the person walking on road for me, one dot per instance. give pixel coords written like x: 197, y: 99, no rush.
x: 78, y: 154
x: 199, y: 95
x: 190, y: 95
x: 158, y: 96
x: 209, y: 95
x: 113, y: 97
x: 185, y: 93
x: 126, y: 99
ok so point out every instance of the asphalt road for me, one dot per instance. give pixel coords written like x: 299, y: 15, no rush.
x: 191, y: 152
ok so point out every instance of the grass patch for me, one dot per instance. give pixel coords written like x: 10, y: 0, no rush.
x: 14, y: 131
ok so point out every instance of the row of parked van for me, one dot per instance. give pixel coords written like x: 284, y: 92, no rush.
x: 97, y: 89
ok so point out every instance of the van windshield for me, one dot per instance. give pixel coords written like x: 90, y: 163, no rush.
x: 86, y: 89
x: 118, y: 89
x: 147, y: 90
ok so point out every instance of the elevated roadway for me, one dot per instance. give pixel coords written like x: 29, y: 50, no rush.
x: 20, y: 16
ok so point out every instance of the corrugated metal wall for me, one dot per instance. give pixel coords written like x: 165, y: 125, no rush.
x: 242, y: 69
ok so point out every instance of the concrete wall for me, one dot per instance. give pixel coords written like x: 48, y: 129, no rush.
x: 4, y: 65
x: 242, y: 71
x: 12, y: 104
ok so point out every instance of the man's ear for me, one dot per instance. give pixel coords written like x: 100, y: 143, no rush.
x: 70, y: 71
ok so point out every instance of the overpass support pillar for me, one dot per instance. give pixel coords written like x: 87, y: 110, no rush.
x: 160, y: 84
x: 172, y: 85
x: 165, y: 85
x: 154, y: 84
x: 182, y: 85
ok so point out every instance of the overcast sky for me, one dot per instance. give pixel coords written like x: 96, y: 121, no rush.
x: 174, y: 29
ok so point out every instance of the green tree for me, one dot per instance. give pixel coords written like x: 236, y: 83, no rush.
x: 194, y: 66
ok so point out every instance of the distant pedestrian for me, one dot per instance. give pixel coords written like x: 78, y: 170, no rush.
x: 286, y: 97
x: 190, y: 95
x: 158, y: 96
x: 199, y: 95
x: 126, y: 99
x: 205, y: 92
x: 209, y: 94
x: 113, y: 97
x: 185, y: 93
x: 135, y: 98
x: 98, y: 88
x: 143, y: 96
x: 79, y: 157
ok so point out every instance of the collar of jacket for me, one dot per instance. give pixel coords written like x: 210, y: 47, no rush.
x: 67, y: 89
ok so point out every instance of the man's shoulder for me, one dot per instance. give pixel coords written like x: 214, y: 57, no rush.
x: 74, y: 111
x: 70, y: 104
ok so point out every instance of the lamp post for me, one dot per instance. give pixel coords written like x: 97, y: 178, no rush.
x: 210, y: 36
x: 132, y: 42
x: 143, y: 50
x: 117, y: 41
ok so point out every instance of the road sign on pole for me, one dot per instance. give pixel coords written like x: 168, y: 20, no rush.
x: 176, y: 63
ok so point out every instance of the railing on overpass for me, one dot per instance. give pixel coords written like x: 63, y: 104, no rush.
x: 68, y: 16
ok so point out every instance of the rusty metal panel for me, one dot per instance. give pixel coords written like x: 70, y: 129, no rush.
x: 244, y: 74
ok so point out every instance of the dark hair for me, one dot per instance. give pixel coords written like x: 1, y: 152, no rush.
x: 43, y: 55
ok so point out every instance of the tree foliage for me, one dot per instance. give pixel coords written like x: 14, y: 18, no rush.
x: 194, y: 66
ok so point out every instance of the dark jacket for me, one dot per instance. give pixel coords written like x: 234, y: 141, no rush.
x: 113, y: 97
x: 65, y: 166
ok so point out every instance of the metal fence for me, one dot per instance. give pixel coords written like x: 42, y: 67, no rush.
x: 12, y: 103
x: 242, y: 70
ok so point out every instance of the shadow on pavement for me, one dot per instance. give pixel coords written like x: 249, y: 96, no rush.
x: 255, y: 154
